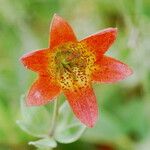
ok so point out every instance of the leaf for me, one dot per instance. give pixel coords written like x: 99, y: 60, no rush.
x: 35, y: 120
x: 69, y: 129
x: 45, y: 143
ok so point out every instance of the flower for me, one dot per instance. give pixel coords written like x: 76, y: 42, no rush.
x: 71, y: 66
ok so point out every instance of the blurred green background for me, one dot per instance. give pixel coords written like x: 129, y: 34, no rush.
x: 124, y: 122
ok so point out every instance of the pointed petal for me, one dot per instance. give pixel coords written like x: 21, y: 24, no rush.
x: 60, y: 32
x: 101, y: 41
x: 37, y: 60
x: 42, y: 91
x: 110, y: 70
x: 84, y: 105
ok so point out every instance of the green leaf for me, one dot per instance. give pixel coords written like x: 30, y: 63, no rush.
x: 69, y: 128
x: 35, y: 120
x: 45, y: 143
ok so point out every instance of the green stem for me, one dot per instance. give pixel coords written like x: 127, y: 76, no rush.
x: 54, y: 118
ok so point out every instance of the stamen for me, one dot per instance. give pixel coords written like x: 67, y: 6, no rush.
x: 73, y: 64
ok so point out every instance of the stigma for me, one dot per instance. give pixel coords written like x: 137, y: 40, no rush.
x: 72, y: 65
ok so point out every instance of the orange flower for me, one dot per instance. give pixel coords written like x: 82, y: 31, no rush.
x: 71, y: 66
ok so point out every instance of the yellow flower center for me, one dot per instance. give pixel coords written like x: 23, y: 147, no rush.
x: 72, y: 65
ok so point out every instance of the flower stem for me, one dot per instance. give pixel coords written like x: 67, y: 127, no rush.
x: 54, y: 118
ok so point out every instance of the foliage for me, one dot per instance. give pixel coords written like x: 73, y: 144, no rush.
x: 38, y: 121
x: 124, y: 120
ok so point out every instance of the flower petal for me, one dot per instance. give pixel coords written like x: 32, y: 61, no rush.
x: 101, y: 41
x: 110, y: 70
x: 42, y: 91
x: 37, y: 60
x: 60, y: 32
x: 84, y: 105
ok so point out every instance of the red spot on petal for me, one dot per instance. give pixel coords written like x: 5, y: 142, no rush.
x: 110, y: 70
x: 84, y: 105
x: 60, y: 32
